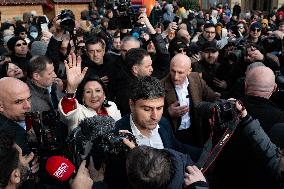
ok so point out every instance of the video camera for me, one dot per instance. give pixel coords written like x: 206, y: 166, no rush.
x: 235, y: 49
x: 67, y: 18
x: 125, y: 14
x: 96, y: 137
x: 222, y: 112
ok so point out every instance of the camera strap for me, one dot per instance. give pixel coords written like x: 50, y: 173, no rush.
x: 210, y: 153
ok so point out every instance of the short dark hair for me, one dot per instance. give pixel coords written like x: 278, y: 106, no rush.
x: 37, y: 64
x: 135, y: 56
x: 148, y: 167
x: 146, y: 88
x: 80, y: 90
x: 95, y: 40
x: 9, y: 157
x: 208, y: 25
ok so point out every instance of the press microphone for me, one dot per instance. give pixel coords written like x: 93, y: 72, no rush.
x: 59, y: 168
x: 96, y: 126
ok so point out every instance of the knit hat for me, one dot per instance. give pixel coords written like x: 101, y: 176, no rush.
x: 209, y: 46
x: 255, y: 25
x: 277, y: 135
x: 19, y: 29
x: 38, y: 48
x: 12, y: 42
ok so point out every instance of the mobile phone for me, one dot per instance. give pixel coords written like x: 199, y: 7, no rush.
x: 44, y: 27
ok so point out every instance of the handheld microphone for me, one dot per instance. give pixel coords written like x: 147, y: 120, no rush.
x: 59, y: 168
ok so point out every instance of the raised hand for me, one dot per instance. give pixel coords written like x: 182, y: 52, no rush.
x: 74, y: 73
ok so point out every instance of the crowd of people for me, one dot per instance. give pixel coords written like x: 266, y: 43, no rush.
x: 150, y: 74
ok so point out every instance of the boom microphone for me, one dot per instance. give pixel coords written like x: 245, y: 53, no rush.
x: 96, y: 126
x: 59, y: 168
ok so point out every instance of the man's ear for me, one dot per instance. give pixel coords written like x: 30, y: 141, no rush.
x: 36, y: 76
x: 134, y: 70
x: 275, y: 88
x: 15, y: 177
x: 131, y: 104
x: 1, y: 106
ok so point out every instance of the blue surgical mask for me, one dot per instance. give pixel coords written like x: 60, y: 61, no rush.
x: 34, y: 34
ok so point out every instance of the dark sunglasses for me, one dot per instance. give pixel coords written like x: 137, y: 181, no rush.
x: 257, y: 30
x: 181, y: 50
x: 21, y: 44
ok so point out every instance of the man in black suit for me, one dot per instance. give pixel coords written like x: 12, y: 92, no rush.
x: 15, y: 101
x: 146, y: 121
x: 259, y: 86
x: 237, y: 155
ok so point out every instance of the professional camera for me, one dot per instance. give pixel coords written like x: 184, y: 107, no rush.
x: 42, y: 131
x: 67, y: 20
x: 272, y: 44
x: 222, y: 112
x: 96, y: 137
x: 235, y: 49
x: 125, y: 14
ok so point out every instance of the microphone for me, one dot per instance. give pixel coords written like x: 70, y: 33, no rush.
x: 96, y: 126
x: 59, y: 168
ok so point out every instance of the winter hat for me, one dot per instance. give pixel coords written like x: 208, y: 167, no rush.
x: 255, y: 25
x: 38, y: 48
x: 19, y: 29
x: 12, y: 42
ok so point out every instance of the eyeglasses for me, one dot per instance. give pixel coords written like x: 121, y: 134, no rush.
x: 256, y: 29
x: 241, y: 27
x: 263, y: 23
x: 21, y: 44
x: 181, y: 51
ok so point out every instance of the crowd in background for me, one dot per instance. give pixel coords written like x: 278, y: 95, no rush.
x: 149, y: 73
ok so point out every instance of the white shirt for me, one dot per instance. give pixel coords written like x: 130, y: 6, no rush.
x: 183, y: 98
x: 154, y: 140
x: 22, y: 124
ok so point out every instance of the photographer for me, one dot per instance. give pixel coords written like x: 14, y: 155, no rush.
x: 259, y: 86
x: 262, y: 145
x: 14, y: 166
x: 164, y: 168
x: 158, y: 50
x: 59, y: 45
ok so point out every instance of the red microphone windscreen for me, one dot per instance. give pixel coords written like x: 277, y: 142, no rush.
x: 59, y: 168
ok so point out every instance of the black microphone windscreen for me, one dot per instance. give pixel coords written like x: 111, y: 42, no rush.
x: 96, y: 126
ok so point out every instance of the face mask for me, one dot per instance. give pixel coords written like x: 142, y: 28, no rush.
x: 34, y: 34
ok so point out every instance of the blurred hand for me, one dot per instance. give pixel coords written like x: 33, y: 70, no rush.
x: 220, y: 83
x: 105, y: 79
x: 143, y: 19
x: 240, y: 107
x: 74, y: 73
x: 96, y: 175
x: 126, y: 141
x: 82, y: 179
x: 175, y: 110
x: 192, y: 175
